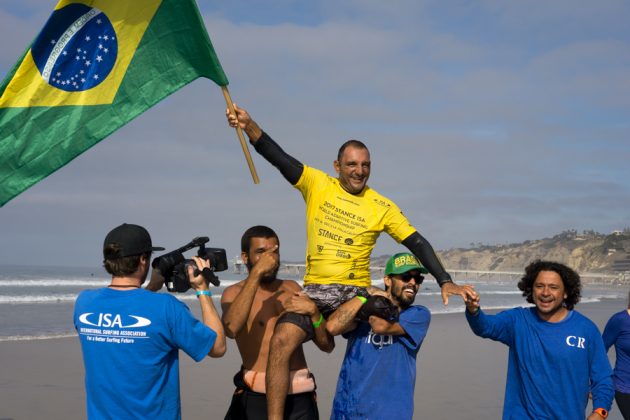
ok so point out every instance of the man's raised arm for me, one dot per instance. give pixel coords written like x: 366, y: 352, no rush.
x: 288, y: 166
x: 237, y: 300
x: 209, y: 314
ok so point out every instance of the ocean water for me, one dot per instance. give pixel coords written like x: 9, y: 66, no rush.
x: 37, y: 302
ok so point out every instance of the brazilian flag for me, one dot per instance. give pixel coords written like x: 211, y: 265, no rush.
x: 96, y: 65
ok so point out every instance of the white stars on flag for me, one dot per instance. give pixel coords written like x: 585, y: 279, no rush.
x: 81, y: 56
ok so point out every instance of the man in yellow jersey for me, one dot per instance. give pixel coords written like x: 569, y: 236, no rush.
x: 344, y: 219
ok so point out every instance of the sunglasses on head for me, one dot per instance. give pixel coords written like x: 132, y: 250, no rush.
x: 406, y: 277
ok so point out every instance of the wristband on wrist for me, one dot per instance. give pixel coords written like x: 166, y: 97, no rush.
x: 602, y: 412
x: 204, y: 292
x: 362, y: 299
x: 319, y: 321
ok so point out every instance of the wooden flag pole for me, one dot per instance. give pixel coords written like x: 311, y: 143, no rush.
x: 248, y: 156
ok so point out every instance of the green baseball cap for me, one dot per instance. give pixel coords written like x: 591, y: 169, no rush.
x: 401, y: 263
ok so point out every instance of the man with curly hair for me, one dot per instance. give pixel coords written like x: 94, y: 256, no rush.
x: 556, y: 356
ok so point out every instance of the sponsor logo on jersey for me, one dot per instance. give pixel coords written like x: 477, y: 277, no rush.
x: 381, y: 202
x: 343, y: 254
x: 329, y: 235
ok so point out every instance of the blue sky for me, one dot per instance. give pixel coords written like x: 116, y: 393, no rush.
x: 488, y: 121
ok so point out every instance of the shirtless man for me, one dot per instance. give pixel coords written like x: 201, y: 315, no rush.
x: 251, y: 308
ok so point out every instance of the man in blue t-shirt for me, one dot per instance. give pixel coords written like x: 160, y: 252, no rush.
x: 130, y: 337
x: 556, y: 356
x: 617, y: 333
x: 377, y: 347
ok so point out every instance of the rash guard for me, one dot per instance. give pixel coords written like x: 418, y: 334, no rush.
x: 341, y: 243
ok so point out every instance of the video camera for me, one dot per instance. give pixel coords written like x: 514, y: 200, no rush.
x: 174, y: 267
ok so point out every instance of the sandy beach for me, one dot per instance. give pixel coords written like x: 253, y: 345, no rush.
x: 460, y: 376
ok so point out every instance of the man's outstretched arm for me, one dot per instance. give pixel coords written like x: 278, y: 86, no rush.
x: 423, y: 250
x: 288, y: 166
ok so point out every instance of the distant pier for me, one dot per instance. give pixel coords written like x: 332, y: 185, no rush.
x: 506, y: 276
x: 297, y: 270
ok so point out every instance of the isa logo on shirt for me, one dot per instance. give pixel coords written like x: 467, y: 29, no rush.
x: 106, y: 320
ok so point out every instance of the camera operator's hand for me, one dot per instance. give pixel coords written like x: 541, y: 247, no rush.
x: 266, y: 263
x: 209, y: 313
x: 198, y: 282
x: 157, y: 280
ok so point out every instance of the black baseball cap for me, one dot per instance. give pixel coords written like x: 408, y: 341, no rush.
x: 131, y: 239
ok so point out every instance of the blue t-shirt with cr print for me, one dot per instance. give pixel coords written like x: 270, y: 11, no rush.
x: 380, y: 369
x: 130, y: 341
x: 552, y: 366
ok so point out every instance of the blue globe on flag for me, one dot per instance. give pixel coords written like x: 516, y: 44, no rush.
x: 77, y: 48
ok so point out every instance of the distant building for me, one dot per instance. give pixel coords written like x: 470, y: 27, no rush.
x: 621, y: 264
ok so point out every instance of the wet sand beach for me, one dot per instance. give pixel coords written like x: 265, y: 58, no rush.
x: 460, y: 376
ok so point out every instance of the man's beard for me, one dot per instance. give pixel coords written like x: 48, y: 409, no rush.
x: 270, y: 277
x: 403, y: 301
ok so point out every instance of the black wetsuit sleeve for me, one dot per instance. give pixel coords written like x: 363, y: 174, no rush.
x: 288, y: 166
x: 423, y: 250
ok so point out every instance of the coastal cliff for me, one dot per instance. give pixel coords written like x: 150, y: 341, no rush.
x: 588, y: 251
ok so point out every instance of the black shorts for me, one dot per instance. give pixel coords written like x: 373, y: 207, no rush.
x: 327, y: 297
x: 250, y: 405
x: 623, y: 402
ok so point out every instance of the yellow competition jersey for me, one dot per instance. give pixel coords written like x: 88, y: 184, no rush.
x: 342, y: 228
